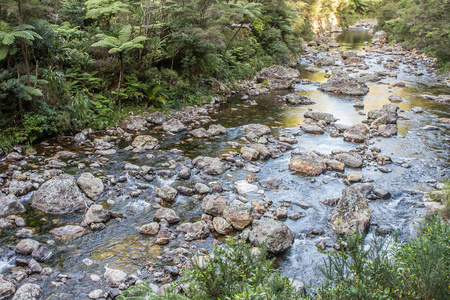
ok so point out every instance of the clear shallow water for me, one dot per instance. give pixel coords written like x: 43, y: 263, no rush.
x: 121, y: 246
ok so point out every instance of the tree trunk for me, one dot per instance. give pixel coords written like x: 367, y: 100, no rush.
x: 229, y: 43
x: 120, y: 75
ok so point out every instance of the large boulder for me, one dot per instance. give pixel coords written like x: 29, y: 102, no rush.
x: 214, y: 205
x: 272, y: 234
x: 134, y: 123
x: 386, y: 115
x: 90, y: 185
x: 173, y: 125
x: 209, y: 165
x: 10, y: 205
x: 278, y: 77
x: 308, y: 165
x: 352, y: 213
x: 239, y: 216
x: 341, y: 83
x: 59, y: 195
x: 28, y: 291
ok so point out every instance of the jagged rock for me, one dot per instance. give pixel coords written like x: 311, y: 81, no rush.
x: 164, y: 235
x: 278, y: 77
x: 340, y: 82
x: 209, y: 165
x: 214, y: 205
x: 352, y: 213
x: 309, y: 165
x: 166, y: 214
x: 96, y: 214
x: 386, y: 115
x: 173, y: 125
x: 90, y: 185
x: 167, y: 193
x: 149, y: 229
x: 239, y: 216
x: 356, y: 134
x: 222, y: 226
x: 59, y: 195
x: 10, y: 205
x: 272, y: 234
x: 320, y: 116
x: 68, y: 232
x: 147, y: 142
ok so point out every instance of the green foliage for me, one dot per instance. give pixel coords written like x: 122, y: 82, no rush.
x: 419, y: 269
x: 418, y: 23
x: 231, y: 271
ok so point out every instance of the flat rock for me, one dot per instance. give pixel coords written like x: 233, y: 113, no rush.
x: 67, y: 232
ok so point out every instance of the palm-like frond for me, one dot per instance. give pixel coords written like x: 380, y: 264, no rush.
x: 125, y: 34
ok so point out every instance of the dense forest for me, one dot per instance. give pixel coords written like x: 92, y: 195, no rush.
x: 70, y: 64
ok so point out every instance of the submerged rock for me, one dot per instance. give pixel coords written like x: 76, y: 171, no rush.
x: 352, y: 213
x: 67, y: 232
x: 274, y: 235
x: 341, y: 83
x: 59, y: 195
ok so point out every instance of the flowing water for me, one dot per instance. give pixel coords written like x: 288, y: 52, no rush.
x: 121, y: 246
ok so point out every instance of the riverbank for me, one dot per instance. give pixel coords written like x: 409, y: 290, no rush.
x: 167, y: 187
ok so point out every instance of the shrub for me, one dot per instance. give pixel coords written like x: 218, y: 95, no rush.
x: 419, y: 269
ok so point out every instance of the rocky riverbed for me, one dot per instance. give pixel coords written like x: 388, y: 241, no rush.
x: 349, y: 140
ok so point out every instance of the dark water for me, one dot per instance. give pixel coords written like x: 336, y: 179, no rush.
x: 121, y: 246
x: 352, y: 39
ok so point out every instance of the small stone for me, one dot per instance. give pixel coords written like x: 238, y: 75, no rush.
x: 95, y: 294
x: 354, y: 176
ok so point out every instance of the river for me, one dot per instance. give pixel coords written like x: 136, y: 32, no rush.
x: 420, y: 157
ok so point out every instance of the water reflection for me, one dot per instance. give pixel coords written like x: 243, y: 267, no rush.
x: 352, y: 39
